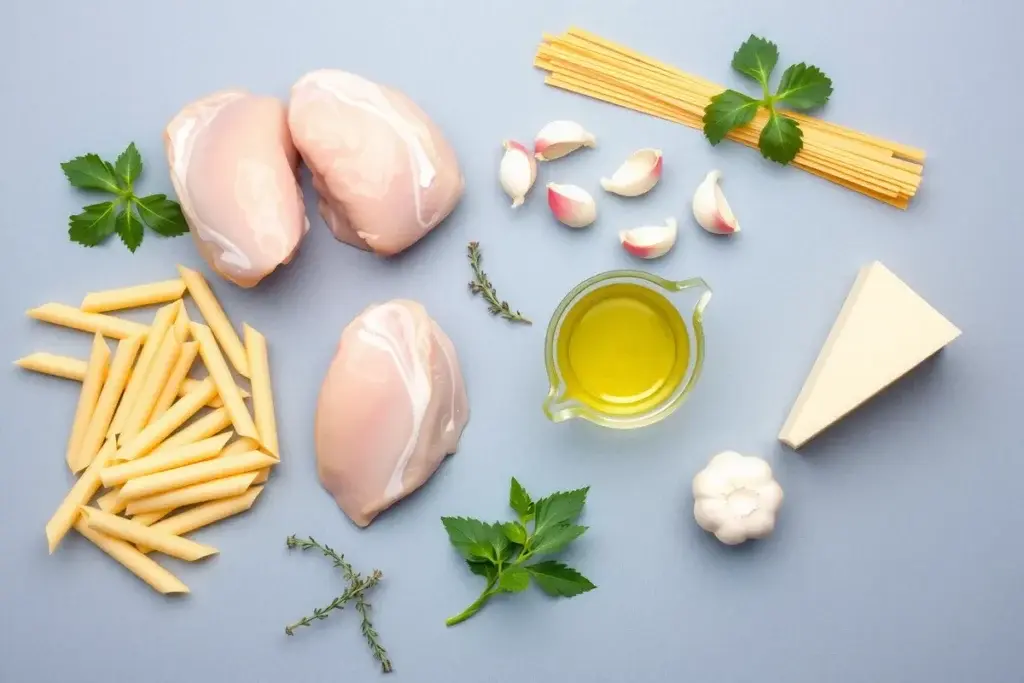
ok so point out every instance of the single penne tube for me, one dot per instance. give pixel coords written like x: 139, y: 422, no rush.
x: 161, y: 323
x: 212, y: 423
x: 149, y: 518
x: 133, y: 560
x: 111, y: 502
x: 178, y: 414
x: 166, y: 459
x: 133, y: 532
x: 215, y: 317
x: 80, y: 494
x: 52, y: 364
x: 262, y: 476
x: 234, y: 485
x: 182, y: 324
x: 92, y: 385
x: 113, y: 387
x: 262, y: 396
x: 243, y: 445
x: 133, y: 297
x: 176, y: 378
x: 190, y: 385
x: 69, y: 316
x: 208, y: 513
x: 226, y: 386
x: 149, y: 485
x: 156, y: 378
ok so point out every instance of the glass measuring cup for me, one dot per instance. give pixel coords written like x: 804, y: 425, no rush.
x: 561, y: 405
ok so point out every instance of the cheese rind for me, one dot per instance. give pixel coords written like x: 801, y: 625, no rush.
x: 883, y: 331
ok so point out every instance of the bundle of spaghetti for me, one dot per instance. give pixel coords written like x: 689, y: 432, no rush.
x: 583, y: 63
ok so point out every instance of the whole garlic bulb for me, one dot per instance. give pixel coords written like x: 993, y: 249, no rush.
x: 736, y: 498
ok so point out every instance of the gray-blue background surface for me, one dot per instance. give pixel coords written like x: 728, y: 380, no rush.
x: 897, y: 555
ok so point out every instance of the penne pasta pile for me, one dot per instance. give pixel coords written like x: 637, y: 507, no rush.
x: 174, y: 453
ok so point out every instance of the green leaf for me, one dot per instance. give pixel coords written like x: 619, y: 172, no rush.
x: 514, y: 580
x: 728, y: 110
x: 553, y: 539
x: 95, y: 224
x: 162, y: 215
x: 89, y: 172
x: 555, y: 578
x: 474, y: 539
x: 756, y: 58
x: 129, y: 229
x: 781, y: 139
x: 559, y: 508
x: 484, y: 569
x: 515, y: 532
x: 520, y: 501
x: 803, y: 87
x: 129, y: 165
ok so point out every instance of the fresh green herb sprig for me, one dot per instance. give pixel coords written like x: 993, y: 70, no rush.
x: 126, y: 213
x: 356, y: 590
x: 502, y: 552
x: 801, y: 88
x: 482, y: 285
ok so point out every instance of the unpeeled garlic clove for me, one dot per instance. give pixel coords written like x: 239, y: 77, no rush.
x: 711, y: 209
x: 650, y: 241
x: 559, y: 138
x: 517, y: 172
x: 571, y: 205
x: 637, y: 175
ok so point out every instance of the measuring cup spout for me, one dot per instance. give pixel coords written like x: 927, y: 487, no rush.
x: 558, y: 408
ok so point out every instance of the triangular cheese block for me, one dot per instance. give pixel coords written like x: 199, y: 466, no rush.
x: 883, y: 331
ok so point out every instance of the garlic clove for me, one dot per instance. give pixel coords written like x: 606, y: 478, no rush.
x: 637, y: 175
x: 517, y: 172
x: 650, y: 241
x: 559, y: 138
x: 571, y: 205
x: 711, y: 209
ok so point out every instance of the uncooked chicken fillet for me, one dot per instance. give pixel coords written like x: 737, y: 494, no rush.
x: 385, y: 174
x: 234, y: 168
x: 392, y: 406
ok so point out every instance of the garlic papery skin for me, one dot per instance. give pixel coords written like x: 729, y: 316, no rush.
x: 711, y: 209
x: 559, y: 138
x: 637, y: 175
x: 571, y: 205
x: 517, y: 172
x: 650, y: 241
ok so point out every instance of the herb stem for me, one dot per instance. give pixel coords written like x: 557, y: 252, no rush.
x: 475, y: 606
x: 482, y: 285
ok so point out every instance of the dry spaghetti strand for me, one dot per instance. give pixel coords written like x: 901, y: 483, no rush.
x: 583, y: 63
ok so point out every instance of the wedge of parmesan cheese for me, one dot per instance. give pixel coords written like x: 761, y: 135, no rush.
x: 883, y: 331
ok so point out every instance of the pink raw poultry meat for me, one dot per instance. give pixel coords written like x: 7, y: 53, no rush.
x: 233, y: 167
x: 392, y: 406
x: 385, y: 174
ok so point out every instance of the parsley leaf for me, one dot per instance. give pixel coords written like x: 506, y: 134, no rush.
x: 520, y: 501
x: 499, y: 552
x: 728, y: 110
x: 781, y: 138
x: 129, y: 229
x: 162, y: 215
x: 555, y: 578
x: 756, y: 58
x: 129, y: 165
x: 803, y: 87
x: 89, y: 172
x: 95, y: 224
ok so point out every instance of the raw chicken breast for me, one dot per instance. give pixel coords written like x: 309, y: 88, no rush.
x: 234, y: 167
x: 385, y: 174
x: 392, y: 406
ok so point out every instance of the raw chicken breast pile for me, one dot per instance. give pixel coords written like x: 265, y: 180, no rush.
x: 392, y: 406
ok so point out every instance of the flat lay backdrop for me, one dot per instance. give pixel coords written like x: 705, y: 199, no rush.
x: 897, y: 554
